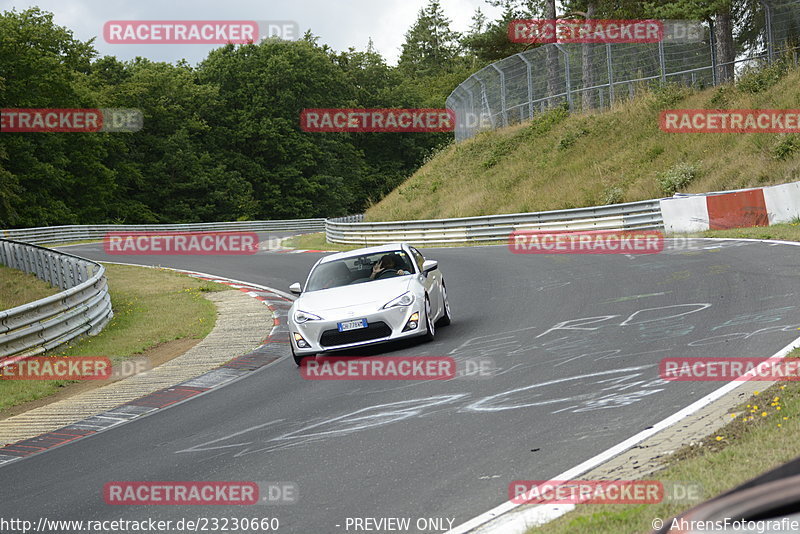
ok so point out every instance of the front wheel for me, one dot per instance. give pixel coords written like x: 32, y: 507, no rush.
x: 447, y: 317
x: 431, y: 333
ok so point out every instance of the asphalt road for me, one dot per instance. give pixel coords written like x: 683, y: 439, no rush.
x: 575, y: 343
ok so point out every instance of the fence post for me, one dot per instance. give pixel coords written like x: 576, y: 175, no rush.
x: 463, y: 123
x: 662, y: 61
x: 610, y: 76
x: 713, y: 53
x: 502, y: 93
x: 529, y: 72
x: 768, y: 37
x: 567, y: 80
x: 485, y: 101
x: 472, y: 108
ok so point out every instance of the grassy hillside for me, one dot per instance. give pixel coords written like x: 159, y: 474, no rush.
x: 560, y: 161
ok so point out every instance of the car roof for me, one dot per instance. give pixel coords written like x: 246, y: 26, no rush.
x: 389, y: 247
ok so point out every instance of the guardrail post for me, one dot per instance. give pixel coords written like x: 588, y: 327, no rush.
x: 46, y: 275
x: 70, y: 272
x: 38, y: 256
x: 62, y: 273
x: 26, y: 260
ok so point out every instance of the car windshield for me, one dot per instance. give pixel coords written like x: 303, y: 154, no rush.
x: 360, y: 269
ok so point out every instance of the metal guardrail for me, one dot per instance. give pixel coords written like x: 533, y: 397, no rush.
x: 66, y: 234
x: 83, y: 308
x: 642, y: 215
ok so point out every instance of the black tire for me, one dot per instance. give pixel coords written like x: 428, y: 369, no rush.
x: 431, y: 333
x: 447, y: 317
x: 299, y: 359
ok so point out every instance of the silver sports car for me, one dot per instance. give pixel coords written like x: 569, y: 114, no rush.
x: 365, y: 296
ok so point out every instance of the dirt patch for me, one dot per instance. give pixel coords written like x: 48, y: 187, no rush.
x: 155, y: 356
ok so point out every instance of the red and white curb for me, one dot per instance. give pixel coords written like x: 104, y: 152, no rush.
x: 763, y: 206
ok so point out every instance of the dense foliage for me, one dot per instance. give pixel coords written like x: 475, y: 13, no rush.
x: 222, y: 140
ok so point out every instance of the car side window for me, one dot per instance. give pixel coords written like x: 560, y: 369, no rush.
x: 417, y: 257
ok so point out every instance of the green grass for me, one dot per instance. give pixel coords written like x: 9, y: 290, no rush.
x: 317, y: 242
x: 748, y: 446
x: 69, y: 243
x: 560, y: 161
x: 151, y: 306
x: 781, y: 232
x: 18, y: 288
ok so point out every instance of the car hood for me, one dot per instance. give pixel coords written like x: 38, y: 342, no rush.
x: 377, y: 292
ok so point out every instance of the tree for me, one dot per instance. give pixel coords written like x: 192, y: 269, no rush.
x: 430, y: 43
x: 48, y: 178
x: 587, y: 62
x: 489, y: 42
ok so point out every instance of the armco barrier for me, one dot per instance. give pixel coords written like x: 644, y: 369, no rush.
x: 84, y: 307
x: 730, y: 209
x: 629, y: 216
x: 65, y: 234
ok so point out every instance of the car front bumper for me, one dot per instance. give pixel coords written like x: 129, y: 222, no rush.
x: 383, y: 325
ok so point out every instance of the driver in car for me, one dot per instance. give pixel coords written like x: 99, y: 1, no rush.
x: 386, y: 263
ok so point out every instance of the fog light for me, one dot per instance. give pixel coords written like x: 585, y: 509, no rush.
x: 413, y: 322
x: 301, y: 343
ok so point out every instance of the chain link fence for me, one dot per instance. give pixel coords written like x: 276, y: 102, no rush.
x: 596, y: 75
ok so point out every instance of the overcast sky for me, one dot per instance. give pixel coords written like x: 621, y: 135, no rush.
x: 340, y: 24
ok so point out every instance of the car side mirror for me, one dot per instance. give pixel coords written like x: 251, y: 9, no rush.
x: 295, y: 288
x: 429, y: 265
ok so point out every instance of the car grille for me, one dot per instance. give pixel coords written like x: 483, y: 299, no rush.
x: 332, y: 338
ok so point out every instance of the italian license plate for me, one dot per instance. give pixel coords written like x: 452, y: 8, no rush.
x: 352, y: 325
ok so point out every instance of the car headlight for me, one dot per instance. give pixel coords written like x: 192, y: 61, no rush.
x: 406, y: 299
x: 301, y: 317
